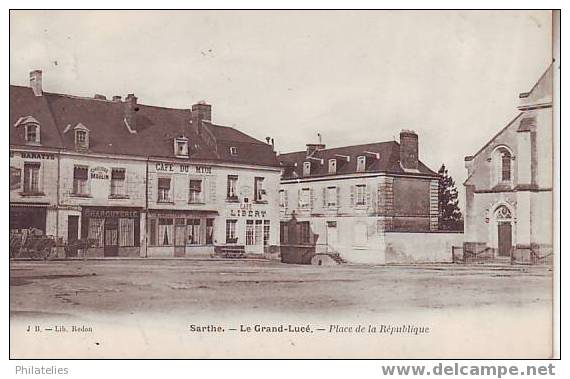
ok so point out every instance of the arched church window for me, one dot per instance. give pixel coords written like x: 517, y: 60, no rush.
x: 503, y: 213
x: 505, y: 165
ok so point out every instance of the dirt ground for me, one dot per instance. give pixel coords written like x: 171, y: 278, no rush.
x: 191, y: 286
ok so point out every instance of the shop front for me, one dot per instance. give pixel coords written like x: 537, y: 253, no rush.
x: 114, y: 230
x: 180, y: 233
x: 28, y: 217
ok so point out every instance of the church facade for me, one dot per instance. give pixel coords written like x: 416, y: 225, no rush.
x: 509, y: 186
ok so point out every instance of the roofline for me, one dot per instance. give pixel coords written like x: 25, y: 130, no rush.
x: 493, y: 138
x: 355, y: 176
x: 340, y: 147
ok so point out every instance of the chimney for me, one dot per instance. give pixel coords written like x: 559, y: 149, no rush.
x: 312, y: 148
x: 201, y: 112
x: 409, y: 150
x: 130, y: 111
x: 116, y: 98
x: 36, y: 82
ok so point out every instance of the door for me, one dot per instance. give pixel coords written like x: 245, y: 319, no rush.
x: 72, y: 233
x: 111, y: 237
x: 331, y: 234
x: 179, y: 237
x: 505, y: 239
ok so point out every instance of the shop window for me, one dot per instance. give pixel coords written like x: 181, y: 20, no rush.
x: 195, y: 194
x: 232, y: 188
x: 304, y: 230
x: 96, y: 231
x: 31, y: 177
x: 152, y: 232
x: 209, y: 231
x: 231, y: 231
x: 118, y: 182
x: 193, y: 231
x: 258, y: 232
x: 164, y: 190
x: 360, y: 194
x: 249, y: 233
x: 266, y: 232
x: 305, y: 198
x: 165, y: 231
x: 126, y: 232
x: 80, y: 181
x: 258, y: 189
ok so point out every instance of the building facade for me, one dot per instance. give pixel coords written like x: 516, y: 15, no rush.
x: 345, y: 200
x: 138, y: 180
x: 509, y: 185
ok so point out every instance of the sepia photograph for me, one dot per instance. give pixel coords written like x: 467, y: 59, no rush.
x: 272, y: 184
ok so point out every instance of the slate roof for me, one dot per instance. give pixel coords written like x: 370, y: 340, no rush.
x: 389, y: 161
x: 156, y: 128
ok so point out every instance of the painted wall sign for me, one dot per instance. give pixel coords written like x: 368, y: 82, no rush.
x: 182, y: 168
x: 15, y: 178
x: 99, y: 173
x: 247, y: 210
x: 112, y: 213
x: 33, y: 155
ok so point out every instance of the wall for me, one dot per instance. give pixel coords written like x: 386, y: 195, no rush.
x: 421, y: 247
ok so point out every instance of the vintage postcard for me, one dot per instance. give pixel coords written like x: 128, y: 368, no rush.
x: 283, y: 184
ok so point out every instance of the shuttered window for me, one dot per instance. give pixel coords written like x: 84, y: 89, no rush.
x: 80, y: 180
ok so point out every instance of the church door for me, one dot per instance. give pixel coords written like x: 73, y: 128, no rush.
x: 505, y: 239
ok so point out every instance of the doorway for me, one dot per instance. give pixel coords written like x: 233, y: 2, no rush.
x: 332, y: 234
x: 180, y: 237
x: 505, y: 238
x: 111, y: 237
x: 72, y: 234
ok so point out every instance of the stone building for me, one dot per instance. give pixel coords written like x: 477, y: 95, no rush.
x: 509, y: 186
x: 352, y: 200
x: 139, y: 180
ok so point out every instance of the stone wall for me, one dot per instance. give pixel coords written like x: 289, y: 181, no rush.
x: 421, y: 247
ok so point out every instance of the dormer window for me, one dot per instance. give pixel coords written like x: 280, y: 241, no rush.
x: 361, y: 163
x: 181, y: 147
x: 81, y: 137
x: 306, y: 168
x: 233, y: 150
x: 332, y: 166
x: 32, y: 133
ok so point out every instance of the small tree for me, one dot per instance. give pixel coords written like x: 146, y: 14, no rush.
x: 450, y: 217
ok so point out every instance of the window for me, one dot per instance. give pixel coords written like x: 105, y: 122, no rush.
x: 361, y: 194
x: 332, y: 166
x: 32, y: 133
x: 165, y: 231
x: 283, y: 198
x: 305, y: 198
x: 233, y: 150
x: 266, y: 230
x: 164, y: 193
x: 80, y: 180
x: 126, y: 232
x: 209, y: 231
x: 258, y: 231
x: 118, y: 182
x: 181, y: 147
x: 306, y: 168
x: 249, y: 234
x: 258, y: 189
x: 361, y: 163
x: 195, y: 194
x: 81, y: 139
x: 31, y: 177
x: 304, y: 229
x: 331, y: 196
x: 231, y: 231
x: 193, y: 231
x: 96, y: 230
x: 505, y: 166
x: 232, y: 188
x: 152, y: 232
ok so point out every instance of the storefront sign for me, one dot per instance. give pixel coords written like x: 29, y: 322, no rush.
x: 110, y: 213
x: 15, y: 178
x: 99, y: 173
x: 247, y: 210
x: 182, y: 168
x: 33, y: 155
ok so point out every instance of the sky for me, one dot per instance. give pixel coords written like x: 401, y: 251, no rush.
x: 353, y: 76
